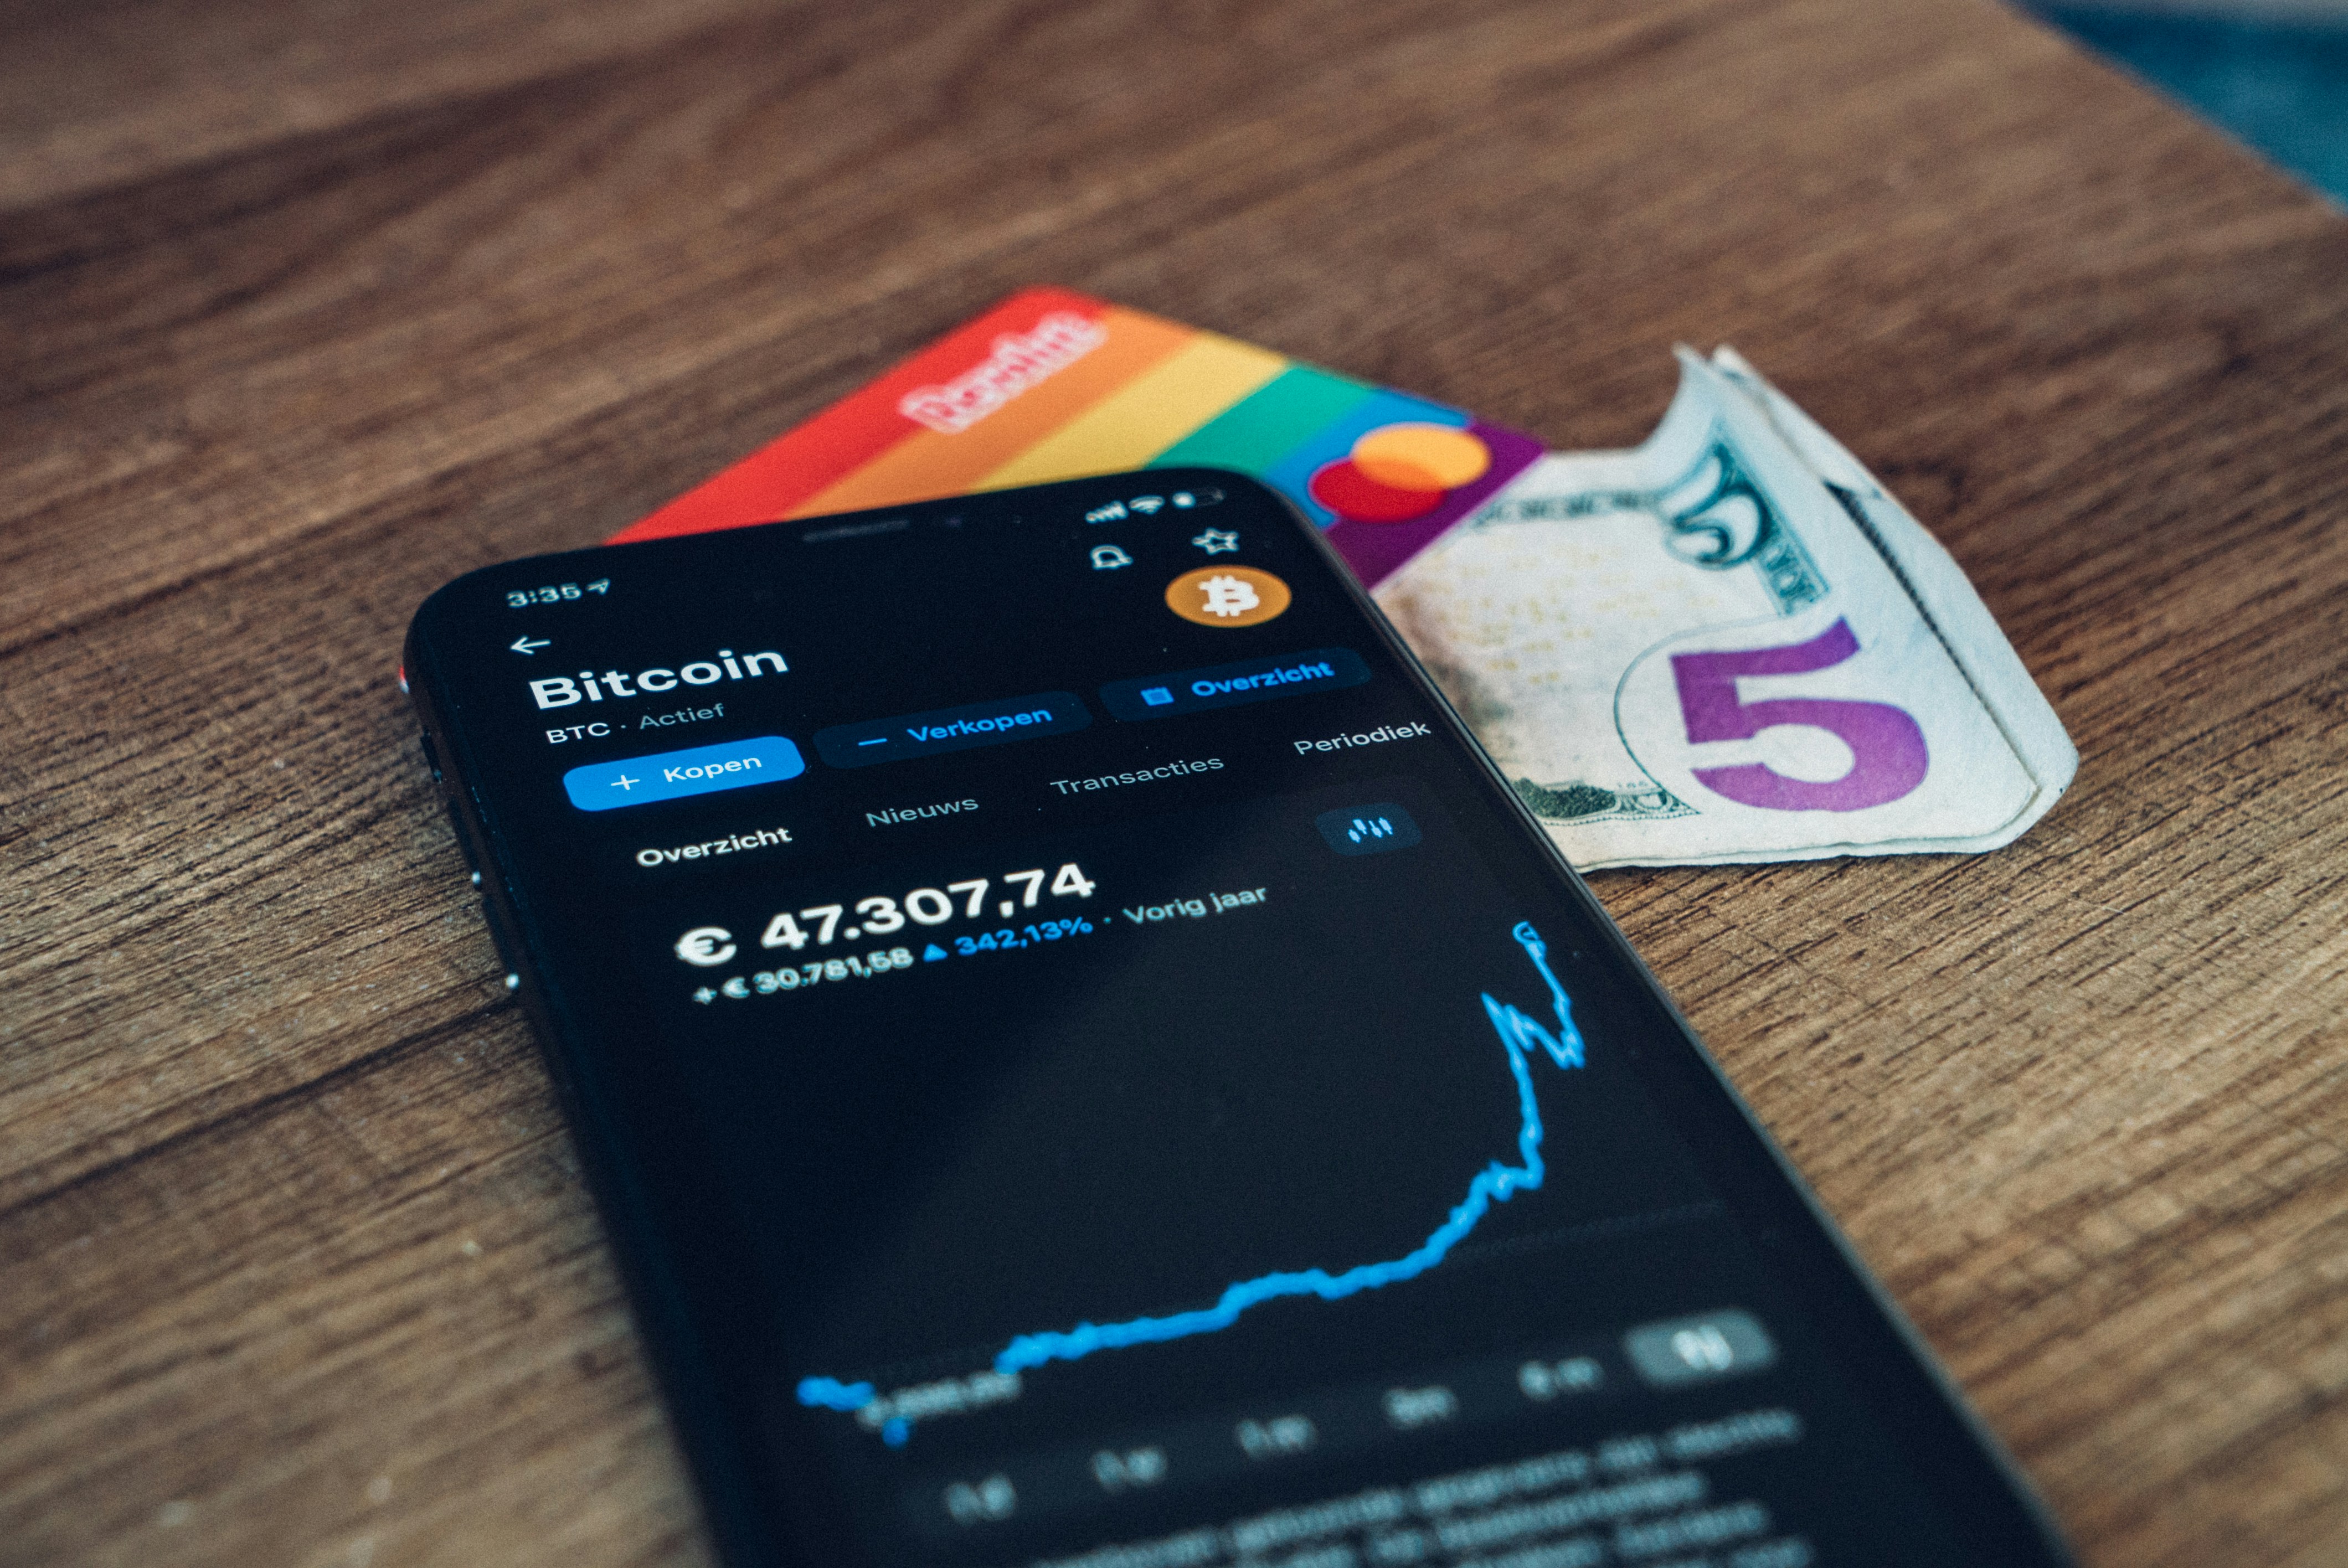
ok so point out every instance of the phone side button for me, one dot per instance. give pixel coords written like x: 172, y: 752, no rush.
x: 464, y: 842
x: 500, y: 939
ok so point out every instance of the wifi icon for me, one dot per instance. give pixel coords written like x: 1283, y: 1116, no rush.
x: 1146, y: 505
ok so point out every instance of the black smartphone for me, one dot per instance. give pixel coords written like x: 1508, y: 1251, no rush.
x: 1085, y: 1063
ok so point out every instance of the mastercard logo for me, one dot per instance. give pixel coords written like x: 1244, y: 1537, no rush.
x: 1397, y: 472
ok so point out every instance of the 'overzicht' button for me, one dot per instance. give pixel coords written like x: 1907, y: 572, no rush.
x: 1228, y: 685
x: 668, y: 775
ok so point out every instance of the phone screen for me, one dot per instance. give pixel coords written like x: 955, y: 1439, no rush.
x: 1086, y: 1065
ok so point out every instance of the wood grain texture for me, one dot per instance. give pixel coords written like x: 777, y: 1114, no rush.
x: 306, y: 309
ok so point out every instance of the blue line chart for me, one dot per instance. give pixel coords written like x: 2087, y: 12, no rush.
x: 1521, y: 1036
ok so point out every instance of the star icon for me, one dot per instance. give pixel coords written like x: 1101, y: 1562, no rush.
x: 1215, y: 541
x: 704, y: 995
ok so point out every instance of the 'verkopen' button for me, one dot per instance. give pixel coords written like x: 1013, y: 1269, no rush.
x: 951, y: 729
x: 669, y: 775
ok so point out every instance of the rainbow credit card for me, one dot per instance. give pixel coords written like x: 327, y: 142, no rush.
x: 1053, y: 384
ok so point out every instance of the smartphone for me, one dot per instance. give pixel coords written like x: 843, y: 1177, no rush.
x: 1085, y: 1063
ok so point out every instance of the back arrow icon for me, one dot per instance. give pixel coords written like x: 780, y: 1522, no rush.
x: 528, y: 644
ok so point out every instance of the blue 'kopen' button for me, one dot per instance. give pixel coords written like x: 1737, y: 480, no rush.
x: 667, y: 775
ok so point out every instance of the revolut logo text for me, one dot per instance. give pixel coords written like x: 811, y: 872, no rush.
x: 587, y: 686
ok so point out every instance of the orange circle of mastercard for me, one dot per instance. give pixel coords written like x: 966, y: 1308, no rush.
x: 1399, y: 473
x: 1227, y: 596
x: 1422, y: 456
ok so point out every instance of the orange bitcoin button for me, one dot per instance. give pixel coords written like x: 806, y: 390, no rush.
x: 1227, y: 596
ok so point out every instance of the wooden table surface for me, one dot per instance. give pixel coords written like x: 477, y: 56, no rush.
x: 309, y: 306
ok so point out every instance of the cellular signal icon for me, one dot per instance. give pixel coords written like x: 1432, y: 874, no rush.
x: 1107, y: 514
x: 1146, y: 505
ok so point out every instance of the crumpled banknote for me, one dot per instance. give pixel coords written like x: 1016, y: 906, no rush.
x: 1730, y: 644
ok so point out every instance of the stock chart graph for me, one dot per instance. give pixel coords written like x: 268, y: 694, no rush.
x: 1522, y: 1038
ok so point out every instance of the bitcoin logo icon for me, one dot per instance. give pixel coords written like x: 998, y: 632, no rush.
x: 1227, y: 596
